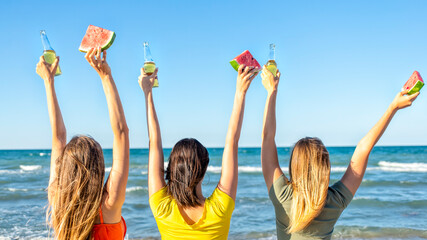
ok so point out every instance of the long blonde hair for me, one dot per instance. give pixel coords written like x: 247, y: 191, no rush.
x: 309, y: 170
x: 77, y: 191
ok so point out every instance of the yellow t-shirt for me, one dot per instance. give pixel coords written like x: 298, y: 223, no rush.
x: 214, y: 223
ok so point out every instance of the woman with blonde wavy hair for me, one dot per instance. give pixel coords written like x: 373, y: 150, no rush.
x: 306, y: 206
x: 81, y: 206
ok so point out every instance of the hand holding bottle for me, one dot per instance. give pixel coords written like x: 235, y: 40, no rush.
x: 146, y: 80
x: 402, y: 100
x: 45, y: 70
x: 269, y: 81
x: 93, y: 56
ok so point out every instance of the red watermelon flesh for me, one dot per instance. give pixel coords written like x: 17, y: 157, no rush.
x: 97, y: 37
x: 414, y: 84
x: 247, y: 59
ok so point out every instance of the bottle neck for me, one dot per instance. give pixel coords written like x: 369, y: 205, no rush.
x: 272, y: 52
x: 147, y: 53
x: 45, y: 41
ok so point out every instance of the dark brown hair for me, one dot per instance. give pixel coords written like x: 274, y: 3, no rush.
x: 77, y: 190
x: 188, y: 162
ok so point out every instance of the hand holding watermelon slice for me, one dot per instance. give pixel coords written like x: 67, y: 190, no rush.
x: 402, y: 100
x: 93, y: 56
x: 245, y: 75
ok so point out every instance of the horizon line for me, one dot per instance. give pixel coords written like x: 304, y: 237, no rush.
x: 335, y: 146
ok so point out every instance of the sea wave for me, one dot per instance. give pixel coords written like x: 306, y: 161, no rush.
x: 17, y: 189
x: 383, y: 166
x: 30, y: 167
x: 402, y: 167
x: 9, y: 172
x: 253, y: 169
x: 364, y: 232
x: 136, y: 188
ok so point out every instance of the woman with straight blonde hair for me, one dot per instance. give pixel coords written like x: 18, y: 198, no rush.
x: 80, y: 205
x: 306, y: 207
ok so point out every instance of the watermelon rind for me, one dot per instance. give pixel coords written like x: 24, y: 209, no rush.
x: 416, y: 88
x: 234, y: 64
x: 105, y: 47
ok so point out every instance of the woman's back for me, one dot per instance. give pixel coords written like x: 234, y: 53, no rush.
x: 321, y: 226
x: 213, y: 224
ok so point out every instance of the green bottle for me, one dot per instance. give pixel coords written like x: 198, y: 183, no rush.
x: 149, y: 64
x: 271, y: 64
x: 48, y: 52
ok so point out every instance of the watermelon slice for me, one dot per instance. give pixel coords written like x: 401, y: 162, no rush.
x: 247, y: 59
x: 414, y: 84
x: 97, y: 37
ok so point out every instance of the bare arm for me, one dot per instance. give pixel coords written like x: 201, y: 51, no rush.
x: 59, y: 133
x: 353, y: 176
x: 116, y: 184
x: 156, y: 169
x: 269, y: 159
x: 229, y: 171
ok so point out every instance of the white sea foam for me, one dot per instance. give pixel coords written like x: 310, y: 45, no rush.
x: 338, y: 169
x: 43, y: 154
x: 108, y: 169
x: 9, y: 172
x: 383, y: 166
x: 17, y: 189
x: 144, y: 172
x: 402, y: 167
x: 363, y: 198
x: 30, y: 167
x: 253, y: 169
x: 133, y: 189
x: 214, y: 169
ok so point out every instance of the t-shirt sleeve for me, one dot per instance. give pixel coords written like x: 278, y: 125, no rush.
x: 222, y: 203
x: 281, y: 190
x: 342, y: 195
x: 160, y: 202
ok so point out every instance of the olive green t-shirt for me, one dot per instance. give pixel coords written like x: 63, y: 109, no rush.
x: 323, y: 225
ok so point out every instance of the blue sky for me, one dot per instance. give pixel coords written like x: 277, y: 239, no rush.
x: 342, y: 63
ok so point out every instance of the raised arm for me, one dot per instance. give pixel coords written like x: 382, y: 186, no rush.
x: 116, y: 183
x: 356, y: 169
x: 156, y: 170
x: 269, y: 160
x: 59, y: 134
x: 229, y: 170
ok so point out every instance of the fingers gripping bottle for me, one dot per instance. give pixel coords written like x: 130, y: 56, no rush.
x: 271, y: 64
x: 48, y: 52
x: 149, y: 65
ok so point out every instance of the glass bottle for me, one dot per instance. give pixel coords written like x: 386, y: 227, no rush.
x: 48, y: 52
x: 149, y: 64
x: 271, y: 64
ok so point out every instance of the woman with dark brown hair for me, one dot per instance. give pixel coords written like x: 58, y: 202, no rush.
x: 80, y: 205
x: 178, y: 205
x: 306, y: 207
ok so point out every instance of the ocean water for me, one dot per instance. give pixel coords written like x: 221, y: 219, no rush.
x: 390, y: 204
